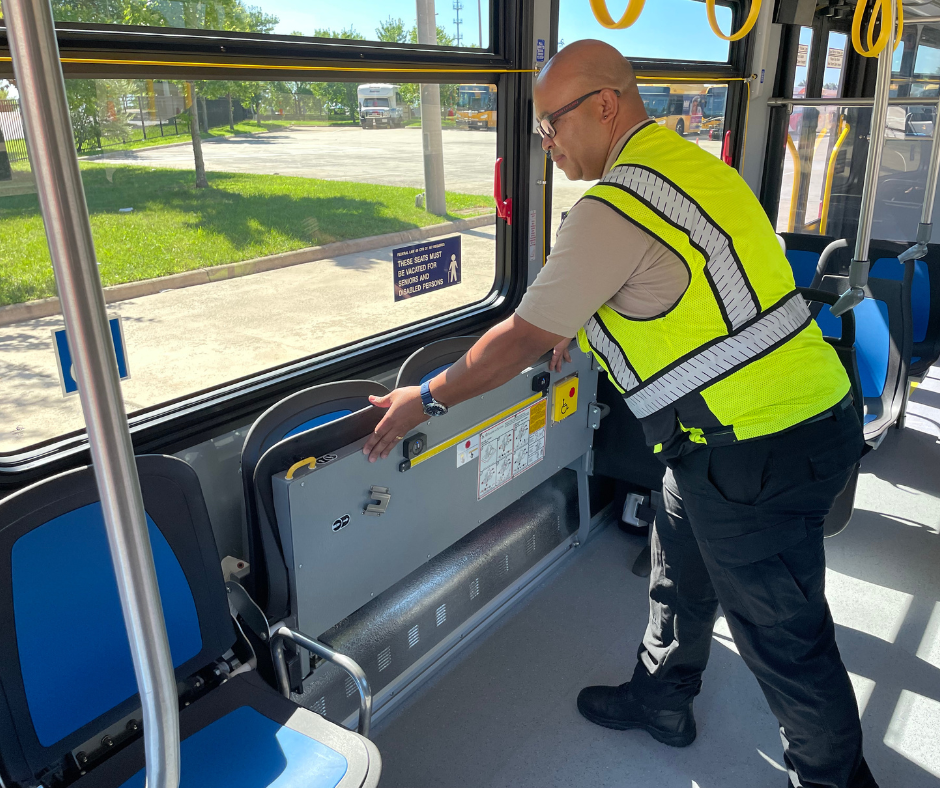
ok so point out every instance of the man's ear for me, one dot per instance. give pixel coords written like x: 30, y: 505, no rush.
x: 608, y: 103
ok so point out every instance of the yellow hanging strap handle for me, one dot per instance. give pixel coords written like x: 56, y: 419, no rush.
x: 745, y: 28
x: 602, y: 15
x: 877, y: 14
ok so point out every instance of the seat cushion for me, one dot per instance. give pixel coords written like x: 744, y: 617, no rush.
x: 245, y: 735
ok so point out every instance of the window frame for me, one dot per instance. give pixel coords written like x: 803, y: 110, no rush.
x: 131, y: 52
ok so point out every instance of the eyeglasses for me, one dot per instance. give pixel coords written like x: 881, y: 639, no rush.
x: 545, y: 127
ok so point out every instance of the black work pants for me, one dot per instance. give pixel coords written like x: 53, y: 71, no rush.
x: 742, y: 526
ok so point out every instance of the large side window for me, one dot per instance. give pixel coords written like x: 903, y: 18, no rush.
x: 241, y: 226
x: 393, y: 21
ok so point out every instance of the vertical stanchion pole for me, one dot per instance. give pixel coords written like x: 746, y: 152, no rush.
x: 858, y: 271
x: 49, y: 138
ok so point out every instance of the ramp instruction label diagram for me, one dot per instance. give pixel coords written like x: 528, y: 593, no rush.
x: 426, y: 266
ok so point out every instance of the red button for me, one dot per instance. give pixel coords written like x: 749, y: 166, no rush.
x: 571, y: 393
x: 467, y: 445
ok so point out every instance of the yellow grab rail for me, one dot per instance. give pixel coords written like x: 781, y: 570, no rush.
x: 795, y: 189
x: 830, y: 173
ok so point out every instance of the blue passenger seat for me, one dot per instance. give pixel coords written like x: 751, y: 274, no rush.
x: 292, y: 416
x: 69, y: 708
x: 432, y: 359
x: 925, y: 299
x: 882, y: 344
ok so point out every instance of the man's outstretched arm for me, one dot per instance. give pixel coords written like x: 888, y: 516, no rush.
x: 498, y: 356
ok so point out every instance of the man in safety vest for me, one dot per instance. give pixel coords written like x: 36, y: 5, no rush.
x: 671, y: 276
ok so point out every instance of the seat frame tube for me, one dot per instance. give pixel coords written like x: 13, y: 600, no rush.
x: 52, y: 155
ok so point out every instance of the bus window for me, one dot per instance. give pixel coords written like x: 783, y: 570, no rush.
x: 393, y: 21
x: 803, y: 52
x: 476, y: 107
x: 821, y: 188
x: 278, y: 249
x: 685, y: 20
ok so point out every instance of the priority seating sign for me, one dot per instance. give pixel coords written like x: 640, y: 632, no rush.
x: 426, y: 266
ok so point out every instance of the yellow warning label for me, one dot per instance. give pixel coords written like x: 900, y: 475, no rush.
x: 564, y: 398
x: 537, y: 416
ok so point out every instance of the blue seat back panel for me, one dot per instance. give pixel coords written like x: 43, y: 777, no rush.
x: 326, y: 418
x: 872, y: 345
x: 804, y: 266
x: 829, y: 324
x: 872, y: 341
x: 435, y: 372
x: 891, y: 268
x: 245, y: 749
x: 74, y: 654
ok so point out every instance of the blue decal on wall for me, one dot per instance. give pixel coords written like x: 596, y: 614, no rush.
x: 425, y: 266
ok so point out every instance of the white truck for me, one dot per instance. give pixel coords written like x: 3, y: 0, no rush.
x: 380, y: 106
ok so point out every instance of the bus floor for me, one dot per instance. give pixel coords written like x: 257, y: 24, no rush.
x: 503, y: 714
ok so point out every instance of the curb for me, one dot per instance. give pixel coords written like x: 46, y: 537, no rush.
x: 47, y: 307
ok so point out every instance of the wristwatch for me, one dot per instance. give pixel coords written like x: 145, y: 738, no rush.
x: 431, y: 406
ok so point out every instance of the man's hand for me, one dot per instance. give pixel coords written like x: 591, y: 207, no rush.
x: 560, y: 354
x: 405, y: 412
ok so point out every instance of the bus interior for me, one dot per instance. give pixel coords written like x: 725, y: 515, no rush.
x: 207, y: 267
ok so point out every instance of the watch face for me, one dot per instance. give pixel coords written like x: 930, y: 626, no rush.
x: 435, y: 409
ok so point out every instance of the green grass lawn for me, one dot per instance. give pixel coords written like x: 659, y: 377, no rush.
x: 175, y: 227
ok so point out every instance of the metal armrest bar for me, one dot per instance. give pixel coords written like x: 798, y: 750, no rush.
x: 280, y: 633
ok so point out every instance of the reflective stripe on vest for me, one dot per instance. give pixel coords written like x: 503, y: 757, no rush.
x: 714, y: 361
x: 723, y: 269
x: 738, y: 355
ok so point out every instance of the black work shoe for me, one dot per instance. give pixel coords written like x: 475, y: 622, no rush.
x: 615, y: 707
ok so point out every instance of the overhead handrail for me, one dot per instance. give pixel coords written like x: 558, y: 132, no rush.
x: 630, y: 15
x: 925, y: 228
x: 875, y: 47
x: 635, y: 8
x: 745, y: 28
x: 858, y: 271
x: 49, y: 139
x: 830, y: 174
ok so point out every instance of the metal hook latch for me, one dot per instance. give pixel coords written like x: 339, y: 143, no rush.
x: 381, y: 497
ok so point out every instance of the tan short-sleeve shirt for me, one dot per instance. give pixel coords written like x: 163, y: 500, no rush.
x: 599, y: 258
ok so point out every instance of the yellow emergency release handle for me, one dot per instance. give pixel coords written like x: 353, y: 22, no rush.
x: 602, y: 15
x: 878, y: 13
x: 309, y: 462
x: 745, y: 28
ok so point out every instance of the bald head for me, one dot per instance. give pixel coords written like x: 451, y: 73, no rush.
x: 585, y: 136
x: 587, y: 65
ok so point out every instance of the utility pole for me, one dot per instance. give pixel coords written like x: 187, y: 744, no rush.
x: 458, y: 7
x: 431, y: 119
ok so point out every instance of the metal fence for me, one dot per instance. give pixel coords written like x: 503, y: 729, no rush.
x: 11, y: 125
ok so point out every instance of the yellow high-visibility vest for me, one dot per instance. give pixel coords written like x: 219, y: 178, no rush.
x: 738, y: 356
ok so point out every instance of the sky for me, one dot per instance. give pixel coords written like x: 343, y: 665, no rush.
x: 365, y: 15
x: 663, y: 29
